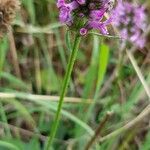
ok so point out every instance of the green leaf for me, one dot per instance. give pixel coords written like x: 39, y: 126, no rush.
x: 146, y: 143
x: 14, y: 81
x: 3, y: 52
x: 103, y: 62
x: 9, y: 146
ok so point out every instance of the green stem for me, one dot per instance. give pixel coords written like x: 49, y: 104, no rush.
x: 64, y: 89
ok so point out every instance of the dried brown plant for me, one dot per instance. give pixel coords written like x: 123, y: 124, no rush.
x: 8, y: 9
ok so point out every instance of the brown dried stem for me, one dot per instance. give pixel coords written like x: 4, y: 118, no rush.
x: 98, y: 131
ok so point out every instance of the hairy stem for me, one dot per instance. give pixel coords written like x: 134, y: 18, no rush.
x: 64, y: 89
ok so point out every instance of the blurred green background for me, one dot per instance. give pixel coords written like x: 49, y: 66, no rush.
x: 33, y: 61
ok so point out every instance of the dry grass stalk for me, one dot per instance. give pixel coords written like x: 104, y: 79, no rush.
x: 8, y: 9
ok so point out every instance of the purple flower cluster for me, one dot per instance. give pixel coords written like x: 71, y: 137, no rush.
x: 130, y: 19
x: 84, y: 15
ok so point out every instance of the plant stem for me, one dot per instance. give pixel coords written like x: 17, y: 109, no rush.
x: 98, y: 131
x: 48, y: 98
x: 129, y: 125
x: 14, y: 55
x: 139, y: 73
x: 64, y: 89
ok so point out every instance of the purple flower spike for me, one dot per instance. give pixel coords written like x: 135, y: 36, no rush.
x: 84, y: 15
x: 130, y: 19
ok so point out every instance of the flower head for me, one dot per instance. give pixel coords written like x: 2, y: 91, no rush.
x: 130, y: 19
x: 84, y: 15
x: 8, y: 10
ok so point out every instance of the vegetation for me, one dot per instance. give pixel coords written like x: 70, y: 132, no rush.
x: 106, y: 106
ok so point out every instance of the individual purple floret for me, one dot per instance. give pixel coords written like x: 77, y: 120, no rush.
x: 84, y: 15
x: 66, y: 10
x: 130, y: 19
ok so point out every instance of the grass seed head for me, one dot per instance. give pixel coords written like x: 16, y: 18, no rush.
x: 8, y: 9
